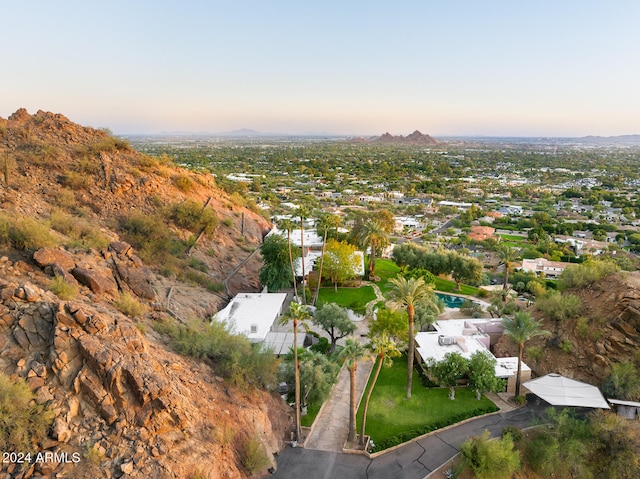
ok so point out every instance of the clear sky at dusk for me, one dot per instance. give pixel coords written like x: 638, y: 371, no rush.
x: 503, y: 67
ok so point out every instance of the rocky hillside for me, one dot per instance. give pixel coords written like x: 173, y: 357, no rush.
x: 607, y: 331
x: 124, y: 402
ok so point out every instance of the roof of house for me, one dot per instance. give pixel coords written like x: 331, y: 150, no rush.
x: 252, y: 314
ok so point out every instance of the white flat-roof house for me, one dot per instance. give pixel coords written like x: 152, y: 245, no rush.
x: 466, y: 336
x: 551, y: 269
x: 253, y: 314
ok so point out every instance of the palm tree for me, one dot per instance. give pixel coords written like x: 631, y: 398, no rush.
x: 384, y: 347
x: 288, y: 225
x: 325, y: 222
x: 406, y: 293
x: 521, y: 329
x: 352, y: 351
x: 299, y: 314
x: 507, y: 255
x: 374, y: 235
x: 303, y: 212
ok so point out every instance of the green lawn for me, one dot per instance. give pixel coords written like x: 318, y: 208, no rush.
x: 448, y: 286
x: 352, y: 298
x: 392, y: 416
x: 386, y: 269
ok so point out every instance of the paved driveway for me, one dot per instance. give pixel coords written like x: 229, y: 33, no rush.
x: 415, y: 460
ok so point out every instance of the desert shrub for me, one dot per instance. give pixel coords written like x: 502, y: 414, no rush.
x: 129, y: 305
x: 490, y: 459
x: 623, y: 382
x: 582, y: 327
x: 184, y: 183
x: 80, y: 231
x: 76, y: 180
x: 190, y: 215
x: 65, y: 198
x: 535, y: 352
x: 151, y: 237
x: 227, y: 222
x: 109, y: 144
x: 234, y: 357
x: 62, y: 289
x: 253, y: 456
x: 26, y: 233
x: 559, y: 306
x: 566, y: 346
x: 23, y: 422
x: 580, y: 275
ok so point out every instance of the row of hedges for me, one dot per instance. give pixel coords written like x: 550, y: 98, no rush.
x: 438, y: 424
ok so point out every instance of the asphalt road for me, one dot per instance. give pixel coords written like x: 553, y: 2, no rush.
x: 415, y: 460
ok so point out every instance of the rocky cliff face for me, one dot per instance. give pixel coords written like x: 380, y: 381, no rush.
x: 123, y: 401
x: 607, y: 331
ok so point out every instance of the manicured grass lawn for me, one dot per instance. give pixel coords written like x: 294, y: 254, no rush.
x: 447, y: 286
x: 352, y: 298
x: 516, y: 238
x: 390, y: 414
x: 386, y: 269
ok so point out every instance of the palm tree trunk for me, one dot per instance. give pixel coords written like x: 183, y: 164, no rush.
x: 304, y: 287
x: 352, y: 403
x: 324, y: 242
x: 520, y: 348
x: 366, y: 401
x: 372, y: 259
x: 506, y: 275
x: 297, y: 377
x: 293, y: 271
x: 410, y: 353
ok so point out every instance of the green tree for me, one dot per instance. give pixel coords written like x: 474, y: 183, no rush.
x: 482, y: 373
x: 303, y: 212
x: 391, y: 323
x: 317, y: 375
x: 275, y: 273
x: 351, y: 353
x: 407, y: 293
x: 623, y: 382
x: 299, y: 314
x: 490, y: 459
x: 465, y: 268
x: 521, y: 328
x: 333, y: 319
x: 507, y: 256
x: 385, y: 348
x: 341, y: 262
x: 376, y: 237
x: 447, y: 371
x: 287, y: 224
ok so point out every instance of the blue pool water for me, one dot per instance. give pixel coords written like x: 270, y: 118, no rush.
x: 451, y: 301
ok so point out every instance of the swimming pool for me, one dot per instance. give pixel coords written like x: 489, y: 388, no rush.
x: 451, y: 301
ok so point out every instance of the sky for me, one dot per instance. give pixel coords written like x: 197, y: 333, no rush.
x: 349, y: 67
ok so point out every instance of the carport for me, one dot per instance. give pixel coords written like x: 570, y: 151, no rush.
x: 560, y: 391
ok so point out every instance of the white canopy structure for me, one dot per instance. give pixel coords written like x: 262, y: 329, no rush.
x: 560, y: 391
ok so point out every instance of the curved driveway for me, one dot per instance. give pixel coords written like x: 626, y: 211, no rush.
x: 414, y: 460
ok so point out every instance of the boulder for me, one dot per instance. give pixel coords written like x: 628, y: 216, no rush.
x: 95, y: 281
x: 49, y: 256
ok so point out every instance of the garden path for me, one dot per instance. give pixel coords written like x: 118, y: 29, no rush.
x: 332, y: 422
x: 371, y: 304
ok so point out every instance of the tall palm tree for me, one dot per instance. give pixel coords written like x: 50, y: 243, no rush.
x: 374, y: 235
x: 406, y: 293
x: 325, y: 222
x: 299, y: 314
x: 287, y: 224
x: 521, y: 329
x: 507, y: 255
x: 303, y: 212
x: 352, y: 351
x: 384, y: 347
